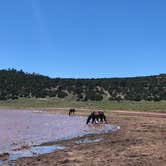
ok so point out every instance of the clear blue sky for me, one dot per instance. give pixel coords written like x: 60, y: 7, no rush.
x: 84, y: 38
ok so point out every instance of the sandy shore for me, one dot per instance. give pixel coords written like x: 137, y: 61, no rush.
x: 141, y: 141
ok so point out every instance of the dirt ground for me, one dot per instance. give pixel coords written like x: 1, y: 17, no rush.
x: 141, y: 141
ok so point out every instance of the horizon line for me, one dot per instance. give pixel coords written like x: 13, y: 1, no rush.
x: 51, y: 77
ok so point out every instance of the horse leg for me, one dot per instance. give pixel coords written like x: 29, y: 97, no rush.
x: 88, y: 120
x: 93, y: 120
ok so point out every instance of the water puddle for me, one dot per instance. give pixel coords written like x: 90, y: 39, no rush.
x: 25, y: 128
x: 34, y: 151
x: 30, y: 152
x: 28, y: 128
x: 86, y: 140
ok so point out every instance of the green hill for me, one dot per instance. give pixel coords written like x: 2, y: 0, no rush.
x: 15, y: 84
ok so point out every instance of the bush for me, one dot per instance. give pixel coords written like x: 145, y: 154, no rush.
x: 94, y: 96
x: 62, y: 94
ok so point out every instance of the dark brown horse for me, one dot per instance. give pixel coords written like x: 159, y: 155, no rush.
x: 96, y: 116
x: 72, y: 112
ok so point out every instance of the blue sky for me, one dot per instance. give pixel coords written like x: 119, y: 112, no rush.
x: 84, y: 38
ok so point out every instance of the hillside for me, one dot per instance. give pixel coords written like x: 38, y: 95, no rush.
x: 15, y: 84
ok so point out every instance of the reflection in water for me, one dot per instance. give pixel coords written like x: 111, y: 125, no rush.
x: 21, y: 128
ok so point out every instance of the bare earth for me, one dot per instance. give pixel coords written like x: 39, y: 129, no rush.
x: 141, y: 141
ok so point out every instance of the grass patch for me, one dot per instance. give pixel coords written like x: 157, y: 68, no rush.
x: 24, y: 103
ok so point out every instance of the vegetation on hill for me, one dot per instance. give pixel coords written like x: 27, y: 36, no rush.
x: 16, y: 84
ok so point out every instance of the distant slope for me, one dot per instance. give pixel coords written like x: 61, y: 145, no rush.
x: 15, y: 84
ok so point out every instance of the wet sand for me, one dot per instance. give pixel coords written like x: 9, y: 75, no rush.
x: 141, y: 141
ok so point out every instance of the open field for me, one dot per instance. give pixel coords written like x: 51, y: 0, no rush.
x: 23, y: 103
x: 139, y: 142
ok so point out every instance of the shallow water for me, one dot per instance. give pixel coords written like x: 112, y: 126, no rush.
x: 19, y: 128
x: 30, y: 152
x: 86, y: 140
x: 36, y: 150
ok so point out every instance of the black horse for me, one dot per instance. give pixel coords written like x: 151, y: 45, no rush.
x: 72, y: 112
x: 96, y: 116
